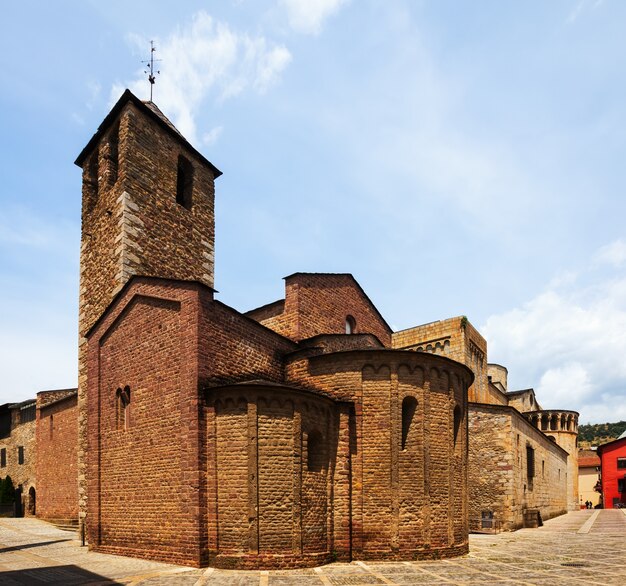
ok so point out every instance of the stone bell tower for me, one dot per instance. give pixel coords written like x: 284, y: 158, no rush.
x: 147, y: 209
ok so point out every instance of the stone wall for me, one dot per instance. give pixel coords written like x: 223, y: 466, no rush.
x: 57, y: 462
x: 455, y: 338
x: 275, y: 451
x: 408, y: 458
x: 499, y: 482
x: 131, y: 221
x: 21, y: 438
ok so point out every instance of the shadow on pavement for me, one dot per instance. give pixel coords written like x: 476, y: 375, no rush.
x: 29, y: 545
x: 57, y: 575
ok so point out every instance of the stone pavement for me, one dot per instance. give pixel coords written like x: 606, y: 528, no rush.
x: 583, y: 547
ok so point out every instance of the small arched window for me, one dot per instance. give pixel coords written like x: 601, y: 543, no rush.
x: 409, y: 405
x: 314, y: 451
x: 457, y: 422
x: 350, y: 325
x: 123, y: 407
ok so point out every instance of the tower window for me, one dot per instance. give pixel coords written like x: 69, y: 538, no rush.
x: 20, y: 454
x: 3, y: 457
x: 184, y: 182
x: 350, y: 325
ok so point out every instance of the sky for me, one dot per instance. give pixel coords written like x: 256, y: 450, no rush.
x: 458, y: 158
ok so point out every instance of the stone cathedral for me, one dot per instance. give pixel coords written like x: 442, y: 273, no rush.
x: 291, y: 435
x: 298, y: 433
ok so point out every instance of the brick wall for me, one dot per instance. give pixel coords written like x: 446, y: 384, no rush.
x: 57, y: 462
x: 146, y: 481
x: 318, y: 303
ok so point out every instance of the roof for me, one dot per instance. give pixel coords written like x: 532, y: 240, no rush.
x: 151, y: 111
x: 347, y: 276
x: 588, y: 459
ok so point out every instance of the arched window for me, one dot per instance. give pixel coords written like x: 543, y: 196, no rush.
x: 350, y: 325
x: 32, y: 507
x: 457, y: 422
x: 123, y: 407
x: 409, y: 405
x: 314, y: 451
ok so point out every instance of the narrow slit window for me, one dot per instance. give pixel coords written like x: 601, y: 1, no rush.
x: 20, y: 454
x: 457, y: 422
x: 315, y: 451
x: 530, y: 466
x: 113, y: 155
x: 123, y: 408
x: 409, y: 405
x: 184, y: 182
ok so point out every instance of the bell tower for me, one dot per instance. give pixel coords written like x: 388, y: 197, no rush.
x: 147, y: 209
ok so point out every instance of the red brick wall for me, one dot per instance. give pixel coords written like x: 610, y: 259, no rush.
x: 319, y: 304
x: 234, y: 347
x: 147, y: 494
x: 57, y: 459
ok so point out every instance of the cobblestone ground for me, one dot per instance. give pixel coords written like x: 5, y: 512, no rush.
x: 583, y: 547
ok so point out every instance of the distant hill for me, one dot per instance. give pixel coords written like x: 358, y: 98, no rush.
x: 594, y: 434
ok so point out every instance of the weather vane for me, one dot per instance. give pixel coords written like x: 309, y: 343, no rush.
x: 150, y: 67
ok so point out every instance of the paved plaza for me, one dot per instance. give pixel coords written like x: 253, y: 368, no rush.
x: 583, y: 547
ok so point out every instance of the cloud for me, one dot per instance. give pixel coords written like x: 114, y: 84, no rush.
x: 580, y: 6
x: 206, y: 58
x: 569, y: 341
x: 308, y: 16
x: 21, y: 227
x: 612, y: 254
x: 210, y: 138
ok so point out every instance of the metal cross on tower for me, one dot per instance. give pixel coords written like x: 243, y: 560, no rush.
x: 150, y: 71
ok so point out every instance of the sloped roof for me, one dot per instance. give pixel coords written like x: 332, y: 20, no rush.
x: 151, y: 111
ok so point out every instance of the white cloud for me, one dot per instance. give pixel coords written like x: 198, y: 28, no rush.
x: 569, y: 342
x: 206, y: 57
x: 210, y: 138
x: 612, y: 254
x: 308, y: 16
x: 580, y: 6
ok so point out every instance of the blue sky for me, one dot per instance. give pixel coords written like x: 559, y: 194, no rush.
x: 458, y: 158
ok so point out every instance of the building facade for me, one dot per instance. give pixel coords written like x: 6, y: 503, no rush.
x: 522, y: 460
x: 613, y: 473
x: 18, y: 455
x: 588, y: 477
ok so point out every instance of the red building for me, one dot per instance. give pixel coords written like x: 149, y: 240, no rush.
x: 613, y: 457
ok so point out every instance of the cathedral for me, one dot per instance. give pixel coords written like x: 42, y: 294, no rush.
x: 298, y: 433
x: 288, y: 436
